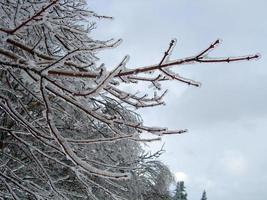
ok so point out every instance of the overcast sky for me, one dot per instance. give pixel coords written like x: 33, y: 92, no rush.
x: 225, y: 149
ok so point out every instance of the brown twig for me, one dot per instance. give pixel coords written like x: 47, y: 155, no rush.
x: 29, y: 19
x: 195, y: 59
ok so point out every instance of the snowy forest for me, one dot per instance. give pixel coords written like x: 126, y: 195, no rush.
x: 69, y: 128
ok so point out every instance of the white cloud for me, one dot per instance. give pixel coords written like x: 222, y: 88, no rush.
x: 181, y: 176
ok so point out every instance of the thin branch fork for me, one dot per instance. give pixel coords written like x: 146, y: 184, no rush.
x: 39, y: 13
x: 67, y: 150
x: 175, y: 76
x: 199, y: 58
x: 50, y: 58
x: 28, y: 49
x: 131, y: 74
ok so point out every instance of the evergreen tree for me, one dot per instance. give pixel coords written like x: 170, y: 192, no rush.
x: 204, y: 195
x: 180, y: 192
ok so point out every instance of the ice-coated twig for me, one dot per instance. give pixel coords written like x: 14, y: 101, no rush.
x: 12, y: 180
x: 39, y: 13
x: 193, y: 59
x: 66, y: 147
x: 10, y: 189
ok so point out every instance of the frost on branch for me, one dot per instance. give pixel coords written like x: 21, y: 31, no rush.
x: 67, y: 127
